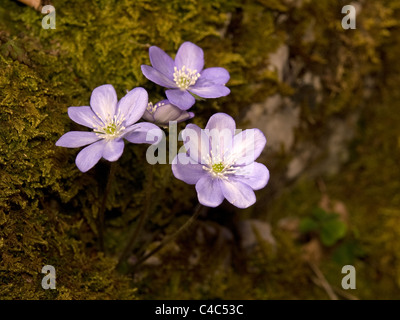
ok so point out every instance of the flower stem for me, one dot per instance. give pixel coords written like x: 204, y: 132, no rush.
x: 136, y: 231
x: 102, y: 210
x: 188, y: 223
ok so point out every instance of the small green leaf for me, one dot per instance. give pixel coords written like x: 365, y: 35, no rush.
x: 348, y: 252
x: 319, y: 214
x: 197, y: 97
x: 307, y: 225
x: 332, y: 231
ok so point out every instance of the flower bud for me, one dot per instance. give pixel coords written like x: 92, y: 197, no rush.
x: 163, y: 112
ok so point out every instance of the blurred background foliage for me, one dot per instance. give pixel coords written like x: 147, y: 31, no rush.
x: 293, y: 243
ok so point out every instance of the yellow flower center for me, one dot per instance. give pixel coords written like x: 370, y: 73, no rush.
x: 218, y: 167
x: 111, y: 128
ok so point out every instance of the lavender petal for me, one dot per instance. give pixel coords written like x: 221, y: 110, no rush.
x: 187, y: 172
x: 144, y: 132
x: 256, y: 175
x: 113, y: 149
x: 196, y: 143
x: 84, y: 116
x: 104, y: 101
x: 147, y: 116
x: 209, y: 191
x: 212, y: 76
x: 157, y: 77
x: 238, y: 193
x: 133, y: 105
x: 166, y: 112
x: 221, y: 121
x: 89, y: 156
x: 215, y: 91
x: 76, y: 139
x: 248, y: 145
x: 181, y: 98
x: 220, y: 128
x: 161, y: 61
x: 190, y: 56
x: 185, y: 116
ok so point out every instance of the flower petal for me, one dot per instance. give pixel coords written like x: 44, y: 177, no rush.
x: 221, y: 121
x: 157, y: 77
x: 186, y: 171
x: 185, y: 116
x: 214, y: 91
x: 144, y: 132
x: 84, y: 116
x: 104, y: 101
x: 89, y: 156
x: 148, y: 116
x: 196, y: 142
x: 76, y: 139
x: 212, y: 76
x: 190, y: 56
x: 220, y: 128
x: 133, y: 105
x: 256, y: 175
x: 239, y: 194
x: 209, y: 191
x: 248, y: 145
x: 161, y: 61
x: 166, y: 112
x: 181, y: 98
x: 113, y: 149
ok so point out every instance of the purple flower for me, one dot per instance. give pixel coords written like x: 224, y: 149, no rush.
x: 185, y: 75
x: 163, y: 112
x: 221, y: 163
x: 111, y: 121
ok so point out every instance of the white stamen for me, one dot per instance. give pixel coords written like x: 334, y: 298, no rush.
x: 221, y: 167
x: 185, y: 77
x: 152, y: 109
x: 110, y: 128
